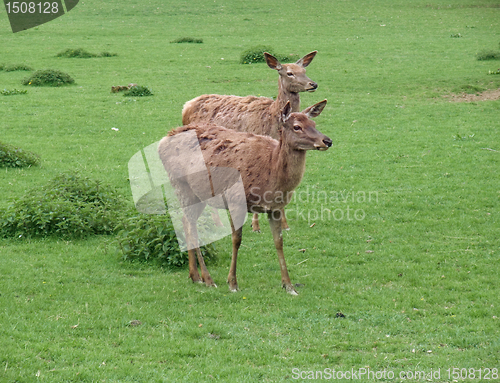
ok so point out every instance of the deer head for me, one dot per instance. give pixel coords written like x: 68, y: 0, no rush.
x: 300, y: 131
x: 293, y: 76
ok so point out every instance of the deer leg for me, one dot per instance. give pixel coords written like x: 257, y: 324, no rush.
x: 275, y: 223
x: 193, y: 248
x: 284, y: 223
x: 236, y: 239
x: 205, y: 275
x: 216, y: 218
x: 255, y: 223
x: 193, y: 268
x: 191, y: 215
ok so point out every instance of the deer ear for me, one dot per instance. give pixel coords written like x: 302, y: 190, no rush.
x: 272, y: 61
x: 286, y: 111
x: 306, y: 60
x: 315, y: 110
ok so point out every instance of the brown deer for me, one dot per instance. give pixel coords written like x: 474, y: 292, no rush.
x: 259, y: 115
x: 270, y: 171
x: 119, y: 88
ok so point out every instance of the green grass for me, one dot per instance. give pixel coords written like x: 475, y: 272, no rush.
x: 418, y: 273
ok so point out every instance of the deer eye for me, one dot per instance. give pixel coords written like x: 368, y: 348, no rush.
x: 297, y: 128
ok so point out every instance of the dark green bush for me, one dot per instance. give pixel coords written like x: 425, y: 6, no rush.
x: 488, y: 55
x: 14, y: 157
x: 78, y: 53
x: 48, y: 77
x: 107, y: 54
x: 138, y: 91
x: 69, y: 206
x: 256, y: 55
x: 151, y: 238
x: 17, y: 67
x: 191, y: 40
x: 83, y: 54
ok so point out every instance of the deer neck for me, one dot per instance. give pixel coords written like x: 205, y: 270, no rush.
x: 289, y: 165
x: 284, y: 96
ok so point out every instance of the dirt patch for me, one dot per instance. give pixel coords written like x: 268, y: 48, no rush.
x: 487, y: 95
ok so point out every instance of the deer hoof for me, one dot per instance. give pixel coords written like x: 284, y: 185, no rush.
x: 290, y: 290
x: 209, y: 282
x: 195, y: 278
x: 233, y: 285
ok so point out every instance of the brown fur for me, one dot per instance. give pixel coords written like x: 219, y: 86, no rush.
x: 270, y: 170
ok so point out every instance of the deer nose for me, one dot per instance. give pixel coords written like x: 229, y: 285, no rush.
x: 327, y: 141
x: 313, y: 85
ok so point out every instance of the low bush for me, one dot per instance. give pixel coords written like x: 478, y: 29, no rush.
x: 138, y: 91
x: 107, y: 54
x: 191, y: 40
x: 17, y: 67
x: 488, y: 55
x: 69, y: 206
x: 48, y: 77
x: 82, y: 53
x: 256, y: 55
x: 151, y: 238
x: 8, y: 92
x: 14, y: 157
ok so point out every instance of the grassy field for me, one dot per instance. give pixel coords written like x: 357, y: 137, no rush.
x: 394, y: 231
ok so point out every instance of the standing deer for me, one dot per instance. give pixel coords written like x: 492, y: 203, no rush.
x: 268, y: 168
x: 259, y: 115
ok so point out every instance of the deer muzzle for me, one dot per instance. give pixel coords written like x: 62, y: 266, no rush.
x: 325, y: 144
x: 312, y: 86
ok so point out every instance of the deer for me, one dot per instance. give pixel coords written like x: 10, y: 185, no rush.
x: 259, y: 115
x: 270, y: 170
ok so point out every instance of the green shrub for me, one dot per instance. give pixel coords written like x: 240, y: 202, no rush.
x: 151, y: 238
x: 48, y: 77
x: 14, y: 157
x: 256, y: 55
x: 138, y: 91
x: 76, y: 53
x: 83, y: 54
x: 69, y: 206
x: 12, y: 92
x: 107, y: 54
x: 488, y: 55
x: 494, y: 71
x: 192, y: 40
x: 17, y: 67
